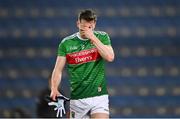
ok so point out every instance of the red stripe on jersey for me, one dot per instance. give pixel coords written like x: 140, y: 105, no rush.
x: 83, y: 56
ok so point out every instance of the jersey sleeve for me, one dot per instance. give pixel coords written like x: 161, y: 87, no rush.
x: 61, y: 49
x: 106, y: 39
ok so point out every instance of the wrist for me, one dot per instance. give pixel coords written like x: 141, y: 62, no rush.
x: 93, y: 38
x: 54, y: 89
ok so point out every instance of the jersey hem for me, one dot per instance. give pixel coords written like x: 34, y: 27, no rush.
x: 76, y: 98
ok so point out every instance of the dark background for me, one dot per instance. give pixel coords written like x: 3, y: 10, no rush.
x: 144, y: 79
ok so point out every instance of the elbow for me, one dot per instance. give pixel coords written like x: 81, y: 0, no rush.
x: 110, y: 58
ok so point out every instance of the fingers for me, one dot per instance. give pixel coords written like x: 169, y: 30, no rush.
x: 54, y: 97
x: 61, y: 113
x: 54, y: 94
x: 86, y: 32
x: 64, y: 111
x: 57, y: 114
x: 86, y: 28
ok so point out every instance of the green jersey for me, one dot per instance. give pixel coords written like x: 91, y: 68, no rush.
x: 85, y: 65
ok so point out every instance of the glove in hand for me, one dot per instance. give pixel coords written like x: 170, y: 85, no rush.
x: 59, y: 104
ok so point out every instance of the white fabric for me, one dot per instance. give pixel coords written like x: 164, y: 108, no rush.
x: 83, y: 108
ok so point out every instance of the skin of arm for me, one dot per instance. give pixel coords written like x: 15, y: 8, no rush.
x: 56, y: 76
x: 105, y: 51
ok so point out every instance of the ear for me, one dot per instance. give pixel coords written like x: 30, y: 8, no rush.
x: 77, y: 23
x: 94, y: 25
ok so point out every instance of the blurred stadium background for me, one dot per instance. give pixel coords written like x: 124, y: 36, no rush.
x: 144, y: 79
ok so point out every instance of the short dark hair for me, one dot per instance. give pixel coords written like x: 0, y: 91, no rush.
x: 87, y: 15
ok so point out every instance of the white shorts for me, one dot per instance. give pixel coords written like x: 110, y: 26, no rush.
x: 83, y: 108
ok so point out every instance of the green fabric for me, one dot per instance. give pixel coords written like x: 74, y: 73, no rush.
x: 85, y: 66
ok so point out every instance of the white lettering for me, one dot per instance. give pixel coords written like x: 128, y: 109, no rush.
x: 88, y: 58
x: 83, y: 53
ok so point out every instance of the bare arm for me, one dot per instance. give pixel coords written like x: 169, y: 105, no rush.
x: 56, y: 76
x: 104, y: 50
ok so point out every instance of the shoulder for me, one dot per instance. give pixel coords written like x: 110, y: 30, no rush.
x: 103, y: 37
x: 100, y: 33
x: 69, y: 38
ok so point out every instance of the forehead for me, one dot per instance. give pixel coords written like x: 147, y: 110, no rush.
x: 87, y: 22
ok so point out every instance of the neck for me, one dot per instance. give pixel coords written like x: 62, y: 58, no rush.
x: 82, y: 37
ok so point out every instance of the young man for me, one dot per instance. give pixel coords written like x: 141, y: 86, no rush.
x: 85, y: 52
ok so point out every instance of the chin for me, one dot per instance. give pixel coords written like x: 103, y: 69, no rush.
x: 84, y: 37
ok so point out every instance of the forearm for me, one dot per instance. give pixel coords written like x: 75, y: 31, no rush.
x: 55, y: 80
x: 103, y: 50
x: 56, y: 76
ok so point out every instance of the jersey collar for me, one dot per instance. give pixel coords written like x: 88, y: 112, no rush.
x: 78, y: 35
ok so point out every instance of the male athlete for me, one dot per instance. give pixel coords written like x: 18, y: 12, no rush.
x: 85, y: 53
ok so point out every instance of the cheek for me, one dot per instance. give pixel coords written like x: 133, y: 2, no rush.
x: 80, y: 26
x: 93, y: 26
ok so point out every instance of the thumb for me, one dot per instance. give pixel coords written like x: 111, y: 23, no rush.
x: 52, y: 103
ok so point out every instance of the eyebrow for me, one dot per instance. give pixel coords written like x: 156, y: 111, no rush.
x: 85, y: 25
